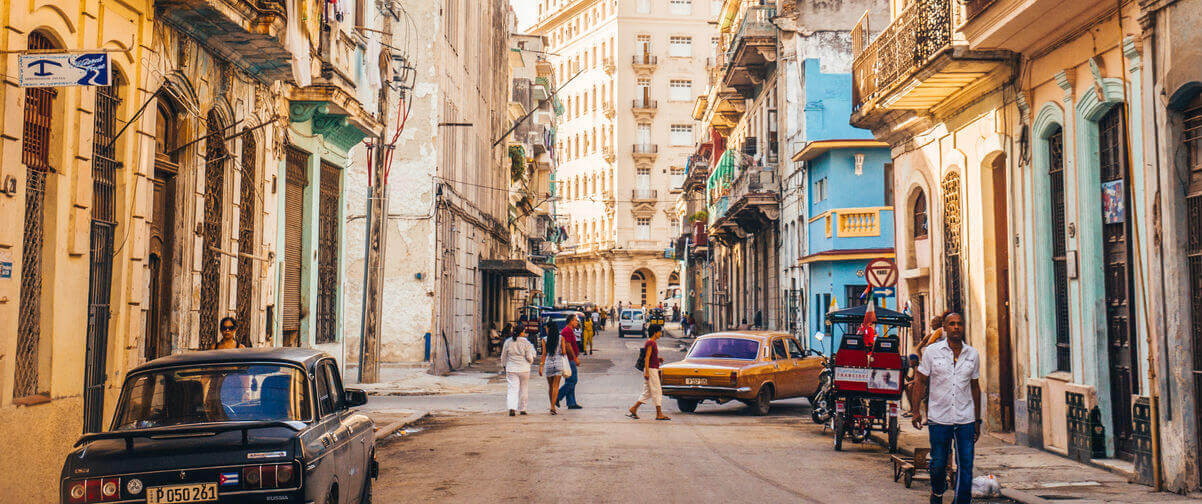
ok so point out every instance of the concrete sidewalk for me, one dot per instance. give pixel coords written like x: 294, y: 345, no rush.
x: 1035, y: 476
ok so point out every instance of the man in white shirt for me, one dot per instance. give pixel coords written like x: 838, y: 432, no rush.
x: 952, y: 369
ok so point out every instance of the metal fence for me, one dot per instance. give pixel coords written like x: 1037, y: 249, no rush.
x: 919, y: 32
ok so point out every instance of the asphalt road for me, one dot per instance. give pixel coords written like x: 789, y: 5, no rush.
x: 470, y: 451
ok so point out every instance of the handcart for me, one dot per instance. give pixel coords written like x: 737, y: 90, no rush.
x: 867, y: 385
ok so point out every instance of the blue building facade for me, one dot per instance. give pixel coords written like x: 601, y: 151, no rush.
x: 846, y: 208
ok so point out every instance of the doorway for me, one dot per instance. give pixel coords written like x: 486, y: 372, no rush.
x: 1001, y: 292
x: 162, y: 237
x: 1116, y: 254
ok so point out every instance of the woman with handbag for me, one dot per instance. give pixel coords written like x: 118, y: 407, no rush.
x: 649, y: 362
x: 555, y: 365
x: 516, y: 355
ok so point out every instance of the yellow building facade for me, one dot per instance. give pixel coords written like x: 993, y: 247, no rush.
x: 49, y: 180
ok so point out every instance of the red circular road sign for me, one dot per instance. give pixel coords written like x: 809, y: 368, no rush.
x: 881, y: 273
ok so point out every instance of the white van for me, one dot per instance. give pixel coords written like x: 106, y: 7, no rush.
x: 631, y: 321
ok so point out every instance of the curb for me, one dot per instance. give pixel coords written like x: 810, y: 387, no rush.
x: 1009, y: 493
x: 391, y: 428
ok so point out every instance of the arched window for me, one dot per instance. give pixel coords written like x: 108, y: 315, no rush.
x: 247, y: 190
x: 35, y: 154
x: 951, y: 241
x: 210, y: 266
x: 920, y: 216
x: 1055, y: 146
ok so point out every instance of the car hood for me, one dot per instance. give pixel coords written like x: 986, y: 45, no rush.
x: 169, y: 452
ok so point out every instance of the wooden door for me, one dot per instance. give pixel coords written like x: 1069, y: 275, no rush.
x: 1116, y: 254
x: 1001, y: 241
x: 160, y: 262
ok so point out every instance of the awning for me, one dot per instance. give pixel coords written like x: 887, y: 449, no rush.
x: 511, y: 267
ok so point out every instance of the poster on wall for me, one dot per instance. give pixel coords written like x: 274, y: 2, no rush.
x: 1113, y: 204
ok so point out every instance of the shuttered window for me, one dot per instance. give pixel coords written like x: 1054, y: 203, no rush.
x: 294, y: 223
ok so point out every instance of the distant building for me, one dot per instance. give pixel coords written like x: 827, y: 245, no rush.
x: 624, y: 138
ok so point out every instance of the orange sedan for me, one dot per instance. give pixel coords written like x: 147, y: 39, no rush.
x: 755, y: 367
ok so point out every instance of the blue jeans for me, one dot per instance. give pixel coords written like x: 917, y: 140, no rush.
x: 568, y: 389
x: 942, y: 437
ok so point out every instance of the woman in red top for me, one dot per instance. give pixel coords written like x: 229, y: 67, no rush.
x: 651, y: 388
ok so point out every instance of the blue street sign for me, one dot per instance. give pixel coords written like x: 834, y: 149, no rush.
x: 65, y: 69
x: 884, y: 291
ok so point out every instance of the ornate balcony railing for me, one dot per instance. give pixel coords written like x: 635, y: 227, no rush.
x: 644, y: 103
x: 647, y: 148
x: 644, y: 59
x: 755, y: 180
x: 757, y: 22
x: 921, y: 31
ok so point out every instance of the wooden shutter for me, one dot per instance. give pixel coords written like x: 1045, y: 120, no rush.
x: 294, y: 222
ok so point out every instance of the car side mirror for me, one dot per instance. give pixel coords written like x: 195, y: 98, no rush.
x: 354, y: 397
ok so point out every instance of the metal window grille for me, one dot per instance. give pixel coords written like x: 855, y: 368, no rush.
x: 328, y: 245
x: 35, y: 150
x: 210, y: 267
x: 104, y: 183
x: 1059, y: 257
x: 246, y: 238
x: 951, y: 242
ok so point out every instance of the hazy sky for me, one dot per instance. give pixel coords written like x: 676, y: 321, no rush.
x: 527, y: 11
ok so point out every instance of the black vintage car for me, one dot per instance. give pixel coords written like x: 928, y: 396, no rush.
x: 231, y: 426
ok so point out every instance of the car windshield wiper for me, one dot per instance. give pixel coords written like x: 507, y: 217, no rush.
x: 721, y: 355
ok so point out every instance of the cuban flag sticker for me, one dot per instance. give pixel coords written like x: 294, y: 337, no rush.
x: 228, y: 478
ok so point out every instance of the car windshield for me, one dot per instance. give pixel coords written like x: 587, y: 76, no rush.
x: 213, y: 393
x: 724, y: 348
x: 627, y: 315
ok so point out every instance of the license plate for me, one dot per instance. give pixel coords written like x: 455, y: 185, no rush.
x: 695, y: 381
x: 175, y: 494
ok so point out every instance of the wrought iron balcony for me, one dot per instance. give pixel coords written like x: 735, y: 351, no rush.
x: 754, y: 203
x: 916, y: 64
x: 644, y: 103
x: 644, y: 109
x: 248, y: 33
x: 645, y: 152
x: 644, y: 63
x: 752, y: 52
